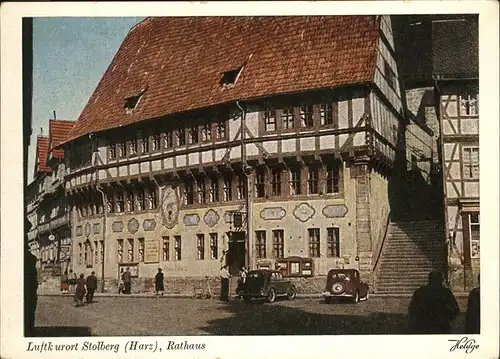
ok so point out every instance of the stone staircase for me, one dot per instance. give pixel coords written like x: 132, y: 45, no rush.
x: 411, y: 250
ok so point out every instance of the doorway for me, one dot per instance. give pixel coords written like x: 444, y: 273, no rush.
x: 235, y: 257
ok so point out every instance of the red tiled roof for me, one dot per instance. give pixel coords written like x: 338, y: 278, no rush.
x: 42, y: 148
x: 58, y: 133
x: 180, y: 60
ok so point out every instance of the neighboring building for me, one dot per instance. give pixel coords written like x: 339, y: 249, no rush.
x: 196, y: 120
x: 443, y: 92
x: 50, y: 237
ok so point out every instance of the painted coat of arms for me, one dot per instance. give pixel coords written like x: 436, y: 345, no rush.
x: 169, y: 207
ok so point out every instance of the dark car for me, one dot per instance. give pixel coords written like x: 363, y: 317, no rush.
x: 342, y: 283
x: 268, y: 284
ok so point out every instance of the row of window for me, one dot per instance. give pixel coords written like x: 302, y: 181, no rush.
x: 314, y: 239
x: 470, y: 162
x: 144, y: 143
x: 289, y: 118
x: 89, y: 254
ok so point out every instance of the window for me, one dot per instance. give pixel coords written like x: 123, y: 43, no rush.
x: 242, y: 187
x: 278, y: 243
x: 80, y: 254
x: 313, y: 242
x: 276, y: 182
x: 112, y: 151
x: 206, y: 131
x: 201, y: 191
x: 332, y: 242
x: 270, y: 120
x: 226, y: 187
x: 152, y: 199
x: 101, y: 254
x: 260, y: 244
x: 229, y: 77
x: 88, y: 254
x: 312, y: 180
x: 110, y: 202
x: 155, y: 142
x: 469, y: 105
x: 213, y: 246
x: 144, y: 144
x: 177, y: 248
x: 390, y: 76
x: 120, y: 202
x: 474, y: 234
x: 200, y: 245
x: 181, y: 136
x: 220, y: 130
x: 193, y: 135
x: 169, y: 139
x: 471, y: 162
x: 213, y: 190
x: 130, y: 250
x: 295, y: 181
x: 132, y: 146
x: 141, y: 249
x: 326, y: 114
x: 121, y: 150
x: 132, y: 102
x: 287, y: 118
x: 141, y: 199
x: 260, y: 183
x: 189, y: 192
x: 306, y: 116
x: 332, y: 178
x: 166, y: 248
x: 96, y: 252
x: 130, y: 201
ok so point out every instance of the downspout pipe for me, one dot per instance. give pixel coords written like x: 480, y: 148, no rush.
x: 249, y: 196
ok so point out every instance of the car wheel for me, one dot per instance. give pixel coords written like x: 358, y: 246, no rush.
x: 355, y: 298
x: 328, y: 300
x: 271, y: 296
x: 291, y: 294
x: 367, y: 296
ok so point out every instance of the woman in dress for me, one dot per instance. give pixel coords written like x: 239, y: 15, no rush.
x: 64, y: 282
x: 80, y: 290
x: 159, y: 279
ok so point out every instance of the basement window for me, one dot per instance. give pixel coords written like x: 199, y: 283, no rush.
x: 230, y: 77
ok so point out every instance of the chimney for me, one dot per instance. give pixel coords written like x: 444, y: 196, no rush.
x: 54, y: 114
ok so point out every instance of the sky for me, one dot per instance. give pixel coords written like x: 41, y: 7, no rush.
x: 70, y: 55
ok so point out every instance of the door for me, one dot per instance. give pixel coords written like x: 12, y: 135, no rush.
x: 235, y: 257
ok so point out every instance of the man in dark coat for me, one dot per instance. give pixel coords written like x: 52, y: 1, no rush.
x: 433, y: 307
x: 159, y: 279
x: 473, y: 314
x: 91, y: 287
x: 127, y: 281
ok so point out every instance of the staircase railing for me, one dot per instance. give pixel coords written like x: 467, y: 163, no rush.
x: 380, y: 246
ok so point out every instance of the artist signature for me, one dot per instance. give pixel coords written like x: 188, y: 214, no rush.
x: 466, y: 344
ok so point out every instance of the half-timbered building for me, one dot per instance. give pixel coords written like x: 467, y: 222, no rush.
x: 256, y: 141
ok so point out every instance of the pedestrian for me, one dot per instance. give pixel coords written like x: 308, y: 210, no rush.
x: 80, y: 290
x: 433, y: 307
x: 159, y: 278
x: 242, y: 279
x: 120, y: 282
x: 224, y: 284
x: 91, y: 287
x: 71, y: 281
x: 473, y: 314
x: 127, y: 281
x: 64, y: 282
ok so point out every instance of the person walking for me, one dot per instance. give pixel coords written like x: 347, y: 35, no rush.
x: 64, y: 282
x: 127, y: 281
x: 473, y: 313
x: 433, y: 307
x: 71, y: 281
x: 242, y: 279
x: 80, y: 290
x: 121, y: 287
x: 91, y: 287
x: 159, y: 280
x: 224, y: 284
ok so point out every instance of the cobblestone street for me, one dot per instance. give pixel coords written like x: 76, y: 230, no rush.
x: 57, y: 316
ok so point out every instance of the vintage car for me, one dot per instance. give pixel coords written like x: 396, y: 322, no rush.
x: 345, y: 283
x: 267, y: 284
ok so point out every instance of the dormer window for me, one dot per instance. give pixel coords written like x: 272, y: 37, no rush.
x: 230, y: 77
x: 132, y: 102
